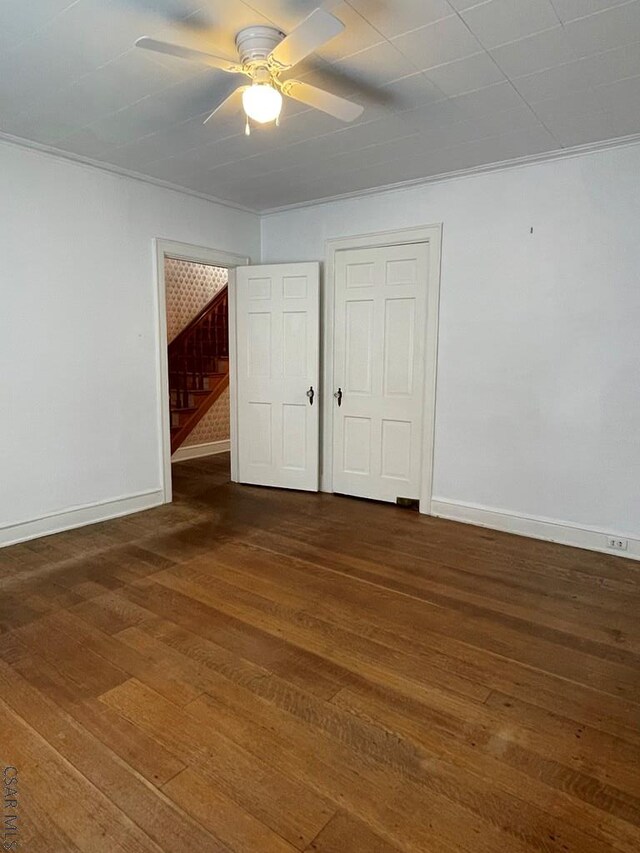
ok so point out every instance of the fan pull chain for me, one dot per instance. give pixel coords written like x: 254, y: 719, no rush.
x: 247, y: 128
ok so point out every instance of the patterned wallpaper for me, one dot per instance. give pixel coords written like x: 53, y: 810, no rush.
x: 189, y: 286
x: 215, y: 424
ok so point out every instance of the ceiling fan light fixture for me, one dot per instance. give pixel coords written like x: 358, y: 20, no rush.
x: 262, y: 102
x: 264, y: 54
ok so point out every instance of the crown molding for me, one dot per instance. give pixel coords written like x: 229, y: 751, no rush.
x: 503, y: 165
x: 80, y: 160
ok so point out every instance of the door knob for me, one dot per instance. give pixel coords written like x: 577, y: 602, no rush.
x: 311, y: 394
x: 338, y: 396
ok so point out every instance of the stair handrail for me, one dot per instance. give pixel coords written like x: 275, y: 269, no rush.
x: 196, y: 351
x: 216, y: 299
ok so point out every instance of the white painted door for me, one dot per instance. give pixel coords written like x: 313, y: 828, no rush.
x: 380, y: 324
x: 277, y: 345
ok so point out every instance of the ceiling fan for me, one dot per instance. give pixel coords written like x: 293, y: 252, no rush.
x: 265, y: 54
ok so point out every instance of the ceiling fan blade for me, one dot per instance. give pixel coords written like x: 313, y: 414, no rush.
x: 190, y: 54
x: 319, y: 28
x: 326, y: 101
x: 224, y: 101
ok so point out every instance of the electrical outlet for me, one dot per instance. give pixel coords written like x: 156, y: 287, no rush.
x: 618, y: 544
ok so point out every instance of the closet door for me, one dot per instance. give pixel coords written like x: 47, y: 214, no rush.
x: 380, y: 327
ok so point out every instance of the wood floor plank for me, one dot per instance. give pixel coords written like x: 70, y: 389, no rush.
x: 238, y: 829
x: 233, y: 761
x: 612, y: 759
x: 313, y: 672
x: 86, y: 816
x: 156, y: 674
x: 505, y: 756
x: 478, y: 587
x: 253, y: 784
x: 504, y: 636
x: 221, y: 681
x: 408, y: 625
x: 344, y: 648
x: 39, y: 833
x: 145, y: 755
x: 110, y: 612
x: 254, y: 670
x: 477, y: 552
x: 437, y: 812
x: 614, y: 671
x: 91, y: 673
x: 299, y: 585
x: 344, y: 832
x: 201, y: 660
x: 125, y: 802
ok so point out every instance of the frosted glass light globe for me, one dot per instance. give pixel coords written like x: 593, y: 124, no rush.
x: 262, y: 102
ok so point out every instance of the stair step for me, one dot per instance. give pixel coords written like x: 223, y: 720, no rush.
x: 195, y: 396
x: 180, y: 416
x: 183, y: 419
x: 213, y: 373
x: 210, y: 379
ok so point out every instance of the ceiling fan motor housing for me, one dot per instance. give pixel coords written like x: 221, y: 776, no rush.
x: 256, y: 43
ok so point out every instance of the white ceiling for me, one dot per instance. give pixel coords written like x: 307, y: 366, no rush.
x: 447, y: 85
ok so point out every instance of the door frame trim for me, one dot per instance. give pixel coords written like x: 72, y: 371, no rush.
x: 431, y: 234
x: 163, y: 248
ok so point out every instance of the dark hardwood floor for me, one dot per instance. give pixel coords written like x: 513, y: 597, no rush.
x: 254, y: 670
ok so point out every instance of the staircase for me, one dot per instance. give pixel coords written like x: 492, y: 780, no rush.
x: 198, y: 367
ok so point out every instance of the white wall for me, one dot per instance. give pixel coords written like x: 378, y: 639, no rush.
x: 538, y: 402
x: 538, y: 406
x: 78, y: 335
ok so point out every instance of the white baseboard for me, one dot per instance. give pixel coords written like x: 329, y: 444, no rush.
x: 11, y: 534
x: 535, y: 527
x: 196, y: 451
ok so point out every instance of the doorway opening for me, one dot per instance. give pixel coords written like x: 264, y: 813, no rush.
x: 198, y: 355
x: 193, y: 284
